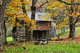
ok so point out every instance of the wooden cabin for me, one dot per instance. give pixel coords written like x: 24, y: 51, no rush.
x: 42, y: 30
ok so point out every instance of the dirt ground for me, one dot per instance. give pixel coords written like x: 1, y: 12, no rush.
x: 62, y: 40
x: 65, y: 40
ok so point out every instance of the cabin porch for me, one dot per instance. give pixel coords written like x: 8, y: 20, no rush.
x: 41, y: 34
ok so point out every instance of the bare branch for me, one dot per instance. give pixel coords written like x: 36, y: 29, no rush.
x: 77, y: 19
x: 42, y: 5
x: 69, y: 3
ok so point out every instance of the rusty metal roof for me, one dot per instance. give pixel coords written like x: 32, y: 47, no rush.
x: 38, y: 16
x: 42, y: 27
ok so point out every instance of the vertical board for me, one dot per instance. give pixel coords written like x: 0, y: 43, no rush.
x: 53, y: 31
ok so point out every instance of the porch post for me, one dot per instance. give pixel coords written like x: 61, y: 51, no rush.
x: 37, y: 35
x: 31, y: 35
x: 42, y: 35
x: 47, y: 35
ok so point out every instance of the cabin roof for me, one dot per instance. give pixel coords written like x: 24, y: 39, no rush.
x: 42, y: 27
x: 40, y: 16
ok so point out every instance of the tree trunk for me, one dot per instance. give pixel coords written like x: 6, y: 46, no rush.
x: 72, y: 28
x: 2, y: 18
x: 28, y: 33
x: 72, y: 24
x: 62, y: 29
x: 33, y: 10
x: 1, y: 43
x: 4, y: 33
x: 23, y: 7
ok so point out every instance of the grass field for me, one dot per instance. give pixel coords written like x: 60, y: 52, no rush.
x: 50, y: 48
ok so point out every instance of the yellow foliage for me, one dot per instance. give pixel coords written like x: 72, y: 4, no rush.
x: 63, y: 24
x: 14, y: 10
x: 17, y: 24
x: 58, y: 6
x: 78, y: 13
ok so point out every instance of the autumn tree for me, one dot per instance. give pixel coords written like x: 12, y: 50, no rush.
x: 72, y: 14
x: 19, y: 11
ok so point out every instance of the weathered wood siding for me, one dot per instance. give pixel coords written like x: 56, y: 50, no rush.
x: 53, y: 31
x: 21, y: 34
